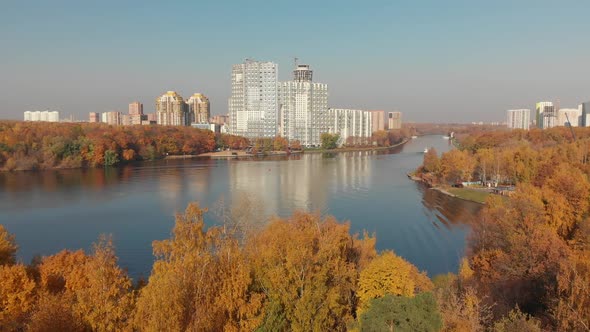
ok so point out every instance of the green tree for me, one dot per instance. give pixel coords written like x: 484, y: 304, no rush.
x: 110, y: 158
x: 400, y: 313
x: 329, y: 141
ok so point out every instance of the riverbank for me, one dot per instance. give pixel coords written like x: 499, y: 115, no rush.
x: 466, y: 194
x: 355, y: 149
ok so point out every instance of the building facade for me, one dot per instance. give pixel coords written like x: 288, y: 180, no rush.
x: 47, y: 116
x: 546, y: 115
x: 518, y: 119
x: 378, y: 120
x: 303, y: 108
x: 573, y: 116
x: 199, y: 108
x: 136, y: 108
x: 253, y: 104
x: 171, y: 110
x: 112, y: 118
x: 394, y: 120
x: 219, y: 119
x: 350, y: 124
x: 94, y: 117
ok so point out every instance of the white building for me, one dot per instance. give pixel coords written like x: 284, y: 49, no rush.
x: 546, y: 115
x: 518, y: 119
x: 350, y: 124
x: 584, y: 109
x: 303, y: 108
x: 48, y: 116
x: 574, y: 115
x: 253, y: 105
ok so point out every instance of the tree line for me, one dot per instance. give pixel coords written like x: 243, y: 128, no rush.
x: 31, y: 145
x: 532, y: 251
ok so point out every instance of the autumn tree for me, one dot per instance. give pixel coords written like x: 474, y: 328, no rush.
x: 106, y: 303
x: 431, y: 162
x: 200, y: 281
x: 8, y: 247
x: 307, y: 268
x: 516, y: 320
x: 390, y: 274
x: 17, y: 296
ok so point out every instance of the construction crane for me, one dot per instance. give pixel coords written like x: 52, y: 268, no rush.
x: 569, y: 124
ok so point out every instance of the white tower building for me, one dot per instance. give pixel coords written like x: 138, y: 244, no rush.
x: 253, y: 105
x: 303, y: 108
x: 518, y: 119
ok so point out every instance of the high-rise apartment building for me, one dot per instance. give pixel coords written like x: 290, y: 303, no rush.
x: 136, y: 108
x: 94, y: 117
x: 171, y: 110
x: 135, y: 116
x: 112, y: 118
x: 394, y: 120
x: 303, y: 108
x: 48, y: 116
x: 253, y: 105
x: 198, y: 108
x: 378, y: 120
x: 573, y: 116
x: 349, y: 123
x: 518, y: 119
x: 546, y: 114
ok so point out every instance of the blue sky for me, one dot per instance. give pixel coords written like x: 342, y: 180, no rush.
x: 433, y: 60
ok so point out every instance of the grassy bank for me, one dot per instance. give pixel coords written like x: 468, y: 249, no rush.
x: 473, y: 195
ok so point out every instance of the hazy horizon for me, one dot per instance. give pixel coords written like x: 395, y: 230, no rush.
x: 455, y: 61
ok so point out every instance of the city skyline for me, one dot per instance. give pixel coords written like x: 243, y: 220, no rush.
x: 451, y: 62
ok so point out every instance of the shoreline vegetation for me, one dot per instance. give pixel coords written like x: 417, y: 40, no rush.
x: 42, y: 146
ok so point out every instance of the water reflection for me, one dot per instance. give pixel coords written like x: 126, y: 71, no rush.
x: 53, y: 210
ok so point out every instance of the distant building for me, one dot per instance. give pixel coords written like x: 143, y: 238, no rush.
x: 571, y: 115
x: 171, y: 110
x: 152, y: 117
x: 94, y: 117
x: 394, y: 120
x: 47, y: 116
x: 136, y: 108
x: 219, y: 119
x: 518, y: 119
x: 135, y: 116
x: 112, y: 118
x: 584, y: 109
x: 378, y: 120
x: 546, y: 115
x: 349, y: 123
x: 253, y: 104
x: 198, y: 108
x: 303, y: 108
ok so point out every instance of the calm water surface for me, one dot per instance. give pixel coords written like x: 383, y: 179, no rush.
x: 53, y: 210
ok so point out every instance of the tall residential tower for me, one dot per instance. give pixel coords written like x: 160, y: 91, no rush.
x: 253, y: 105
x: 199, y: 108
x: 303, y: 108
x: 171, y: 110
x: 518, y: 119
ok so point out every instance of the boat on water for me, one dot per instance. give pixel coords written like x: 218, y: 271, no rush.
x: 446, y: 137
x: 414, y: 137
x: 425, y: 150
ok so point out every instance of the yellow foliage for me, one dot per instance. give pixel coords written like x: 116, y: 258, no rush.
x: 8, y: 247
x: 64, y: 271
x: 390, y: 274
x: 17, y: 296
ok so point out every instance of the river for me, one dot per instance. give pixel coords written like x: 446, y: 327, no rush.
x: 53, y: 210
